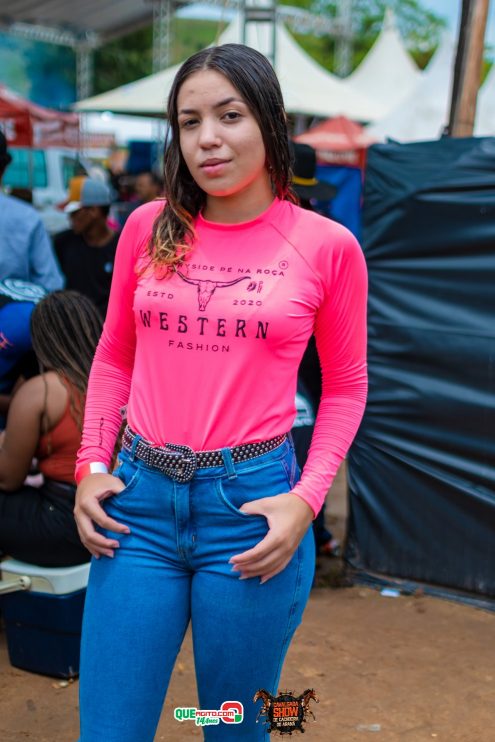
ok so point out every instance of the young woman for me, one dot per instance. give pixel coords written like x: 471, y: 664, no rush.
x: 215, y: 293
x: 45, y: 421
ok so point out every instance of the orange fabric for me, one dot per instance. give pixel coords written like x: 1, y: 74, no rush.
x: 57, y: 449
x: 75, y: 187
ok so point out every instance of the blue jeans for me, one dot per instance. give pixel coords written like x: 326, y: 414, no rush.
x: 174, y: 568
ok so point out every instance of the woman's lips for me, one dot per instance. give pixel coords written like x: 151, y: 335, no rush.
x: 215, y: 168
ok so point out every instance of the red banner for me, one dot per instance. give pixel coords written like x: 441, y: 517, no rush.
x: 27, y: 125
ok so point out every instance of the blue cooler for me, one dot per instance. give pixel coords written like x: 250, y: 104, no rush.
x: 42, y: 609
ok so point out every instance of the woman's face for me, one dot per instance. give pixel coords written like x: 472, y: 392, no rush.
x: 220, y: 139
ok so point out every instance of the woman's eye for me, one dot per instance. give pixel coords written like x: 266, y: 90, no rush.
x: 232, y: 115
x: 187, y: 123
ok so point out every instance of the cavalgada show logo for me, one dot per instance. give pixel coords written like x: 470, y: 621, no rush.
x: 285, y: 713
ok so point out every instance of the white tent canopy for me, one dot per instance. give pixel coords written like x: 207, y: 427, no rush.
x: 387, y: 74
x: 145, y: 97
x: 307, y: 87
x: 424, y: 114
x: 124, y: 128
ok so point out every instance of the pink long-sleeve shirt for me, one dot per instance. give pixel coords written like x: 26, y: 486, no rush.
x: 208, y: 356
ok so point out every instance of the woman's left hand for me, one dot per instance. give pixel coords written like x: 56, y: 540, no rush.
x: 289, y: 517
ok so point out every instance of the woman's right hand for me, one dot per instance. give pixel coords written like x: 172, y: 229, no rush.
x: 87, y: 511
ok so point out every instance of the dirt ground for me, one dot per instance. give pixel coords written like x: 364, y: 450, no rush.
x: 407, y: 669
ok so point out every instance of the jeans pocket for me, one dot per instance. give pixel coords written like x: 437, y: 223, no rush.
x: 128, y: 473
x: 250, y: 485
x: 292, y: 471
x: 224, y: 494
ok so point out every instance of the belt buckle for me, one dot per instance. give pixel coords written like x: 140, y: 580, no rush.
x: 186, y: 464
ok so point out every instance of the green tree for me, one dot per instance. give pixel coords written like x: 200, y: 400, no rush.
x: 123, y: 60
x: 130, y: 58
x: 420, y: 28
x: 13, y: 72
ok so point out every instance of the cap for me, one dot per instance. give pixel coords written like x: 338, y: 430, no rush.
x: 5, y: 157
x: 84, y: 191
x: 304, y: 181
x: 19, y: 290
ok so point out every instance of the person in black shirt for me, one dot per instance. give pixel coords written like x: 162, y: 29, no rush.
x: 86, y: 252
x: 309, y: 190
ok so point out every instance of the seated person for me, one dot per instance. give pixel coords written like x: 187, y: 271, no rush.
x: 17, y: 300
x: 45, y: 421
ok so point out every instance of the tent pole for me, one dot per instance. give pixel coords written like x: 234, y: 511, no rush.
x: 31, y: 168
x: 261, y: 13
x: 162, y: 16
x: 344, y: 40
x: 468, y: 67
x: 84, y: 70
x: 84, y: 84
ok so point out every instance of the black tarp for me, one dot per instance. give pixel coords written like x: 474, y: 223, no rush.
x: 422, y: 467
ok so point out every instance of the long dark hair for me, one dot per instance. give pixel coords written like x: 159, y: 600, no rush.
x: 65, y: 329
x: 254, y: 78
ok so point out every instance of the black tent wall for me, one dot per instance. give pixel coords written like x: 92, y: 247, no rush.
x: 422, y: 467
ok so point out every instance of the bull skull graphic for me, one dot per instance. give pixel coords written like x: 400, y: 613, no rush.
x: 206, y: 289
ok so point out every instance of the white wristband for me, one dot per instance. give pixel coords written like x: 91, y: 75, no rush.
x: 94, y: 467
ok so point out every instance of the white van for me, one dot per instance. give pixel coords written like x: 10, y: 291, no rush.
x: 46, y: 174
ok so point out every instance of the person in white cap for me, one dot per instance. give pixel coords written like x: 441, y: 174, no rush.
x: 86, y: 252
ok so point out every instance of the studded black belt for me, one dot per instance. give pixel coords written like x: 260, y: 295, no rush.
x: 180, y: 462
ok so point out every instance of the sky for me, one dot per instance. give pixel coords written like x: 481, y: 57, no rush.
x: 451, y: 10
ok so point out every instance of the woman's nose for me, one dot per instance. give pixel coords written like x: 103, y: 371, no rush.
x: 209, y: 134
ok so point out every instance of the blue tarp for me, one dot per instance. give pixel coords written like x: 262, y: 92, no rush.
x: 346, y: 206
